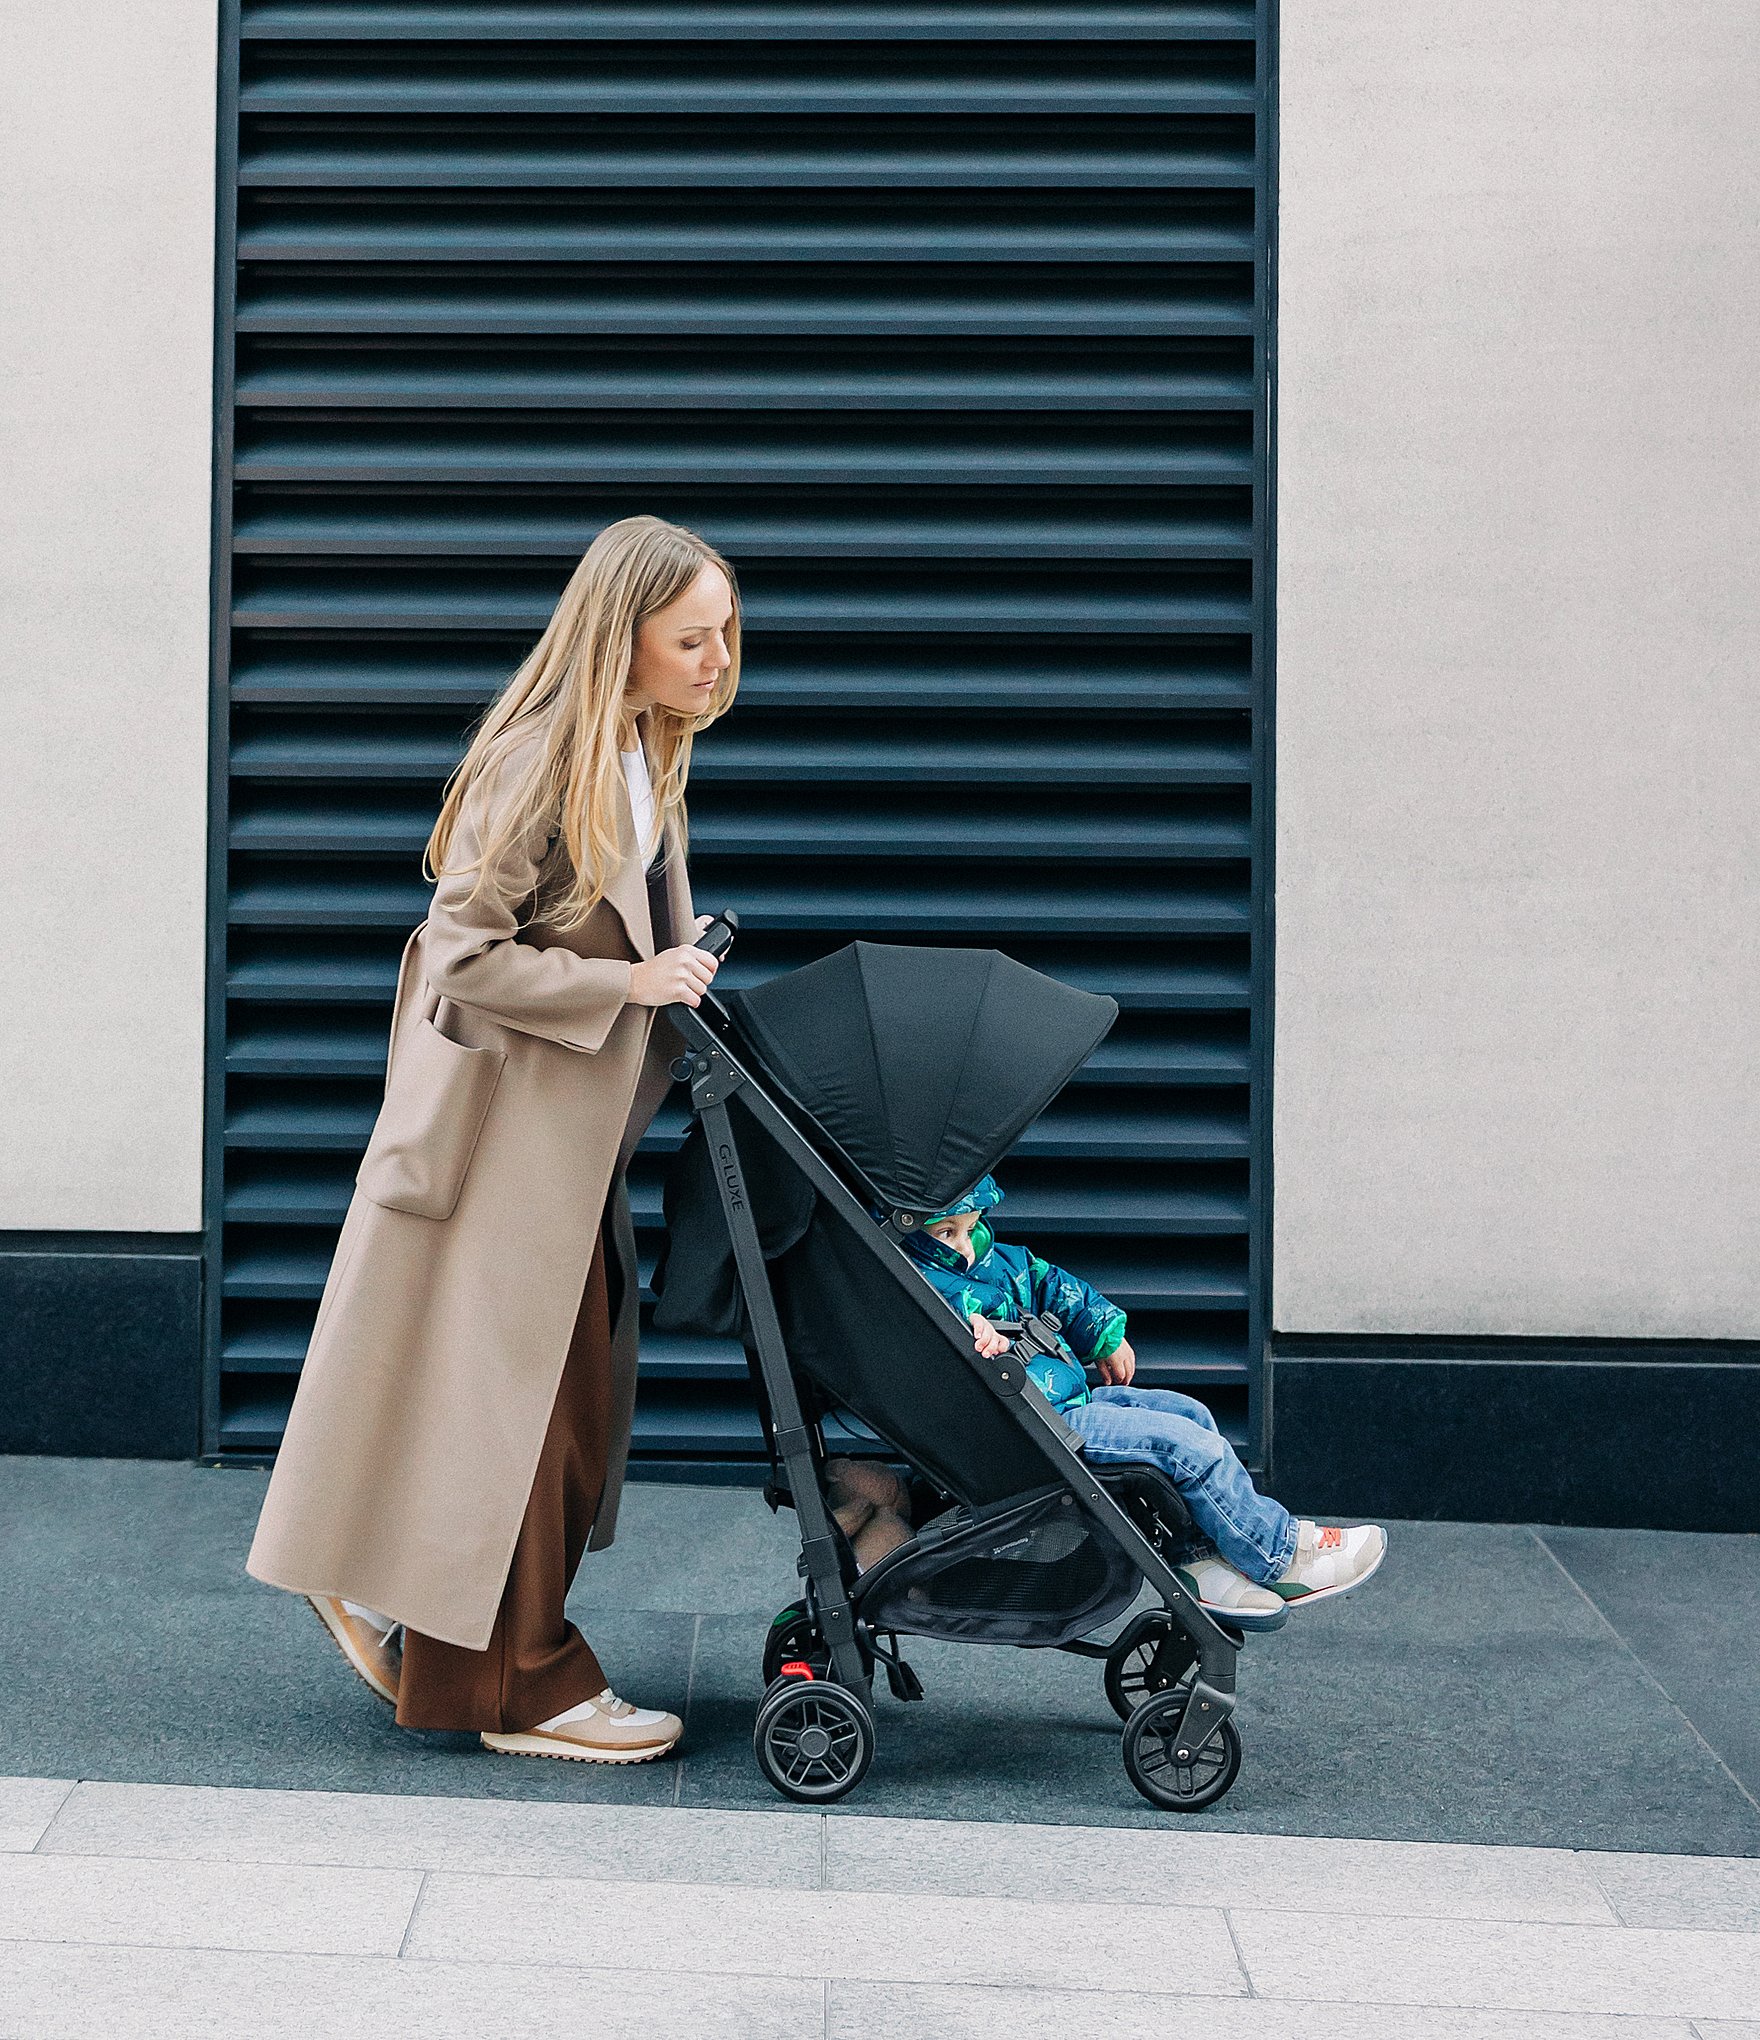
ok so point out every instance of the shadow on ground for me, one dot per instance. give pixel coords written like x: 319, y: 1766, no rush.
x: 1578, y: 1688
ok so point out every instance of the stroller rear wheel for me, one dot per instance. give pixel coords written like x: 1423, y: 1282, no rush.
x: 794, y: 1639
x: 1151, y: 1657
x: 1180, y: 1776
x: 814, y: 1739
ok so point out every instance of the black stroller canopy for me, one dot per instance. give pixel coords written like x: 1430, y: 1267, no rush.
x: 924, y: 1065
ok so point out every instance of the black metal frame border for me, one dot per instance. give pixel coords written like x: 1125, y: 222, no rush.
x: 1261, y: 994
x: 1261, y: 931
x: 219, y: 717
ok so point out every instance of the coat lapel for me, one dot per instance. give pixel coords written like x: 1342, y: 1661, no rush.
x: 679, y: 912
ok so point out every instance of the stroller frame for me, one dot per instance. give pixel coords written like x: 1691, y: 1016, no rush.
x: 715, y: 1074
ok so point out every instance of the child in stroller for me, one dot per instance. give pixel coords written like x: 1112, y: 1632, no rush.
x: 1262, y: 1553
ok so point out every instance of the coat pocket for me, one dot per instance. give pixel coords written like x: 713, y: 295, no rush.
x: 436, y: 1100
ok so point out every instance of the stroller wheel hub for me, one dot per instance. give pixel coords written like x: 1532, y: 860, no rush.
x: 813, y: 1743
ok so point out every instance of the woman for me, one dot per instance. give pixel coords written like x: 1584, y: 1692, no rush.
x: 462, y: 1421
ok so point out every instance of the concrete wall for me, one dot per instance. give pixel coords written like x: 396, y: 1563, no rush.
x: 1518, y: 707
x: 106, y: 248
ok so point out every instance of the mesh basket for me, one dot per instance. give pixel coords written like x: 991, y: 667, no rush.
x: 1032, y: 1574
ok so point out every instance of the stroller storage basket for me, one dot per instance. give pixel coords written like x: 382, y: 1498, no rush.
x: 1033, y: 1574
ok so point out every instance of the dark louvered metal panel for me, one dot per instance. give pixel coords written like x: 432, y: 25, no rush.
x: 948, y: 324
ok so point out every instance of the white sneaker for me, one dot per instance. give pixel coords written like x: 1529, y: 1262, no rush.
x: 1330, y: 1560
x: 1224, y: 1591
x: 602, y: 1731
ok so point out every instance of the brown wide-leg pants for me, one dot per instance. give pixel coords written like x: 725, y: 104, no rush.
x: 537, y: 1664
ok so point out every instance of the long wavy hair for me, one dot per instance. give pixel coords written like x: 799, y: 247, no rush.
x: 569, y: 697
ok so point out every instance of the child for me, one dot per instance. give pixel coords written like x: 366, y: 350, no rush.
x: 1266, y: 1555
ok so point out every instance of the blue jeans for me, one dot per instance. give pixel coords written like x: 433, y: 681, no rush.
x: 1255, y: 1534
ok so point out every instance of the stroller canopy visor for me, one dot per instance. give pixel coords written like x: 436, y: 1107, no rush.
x: 924, y: 1065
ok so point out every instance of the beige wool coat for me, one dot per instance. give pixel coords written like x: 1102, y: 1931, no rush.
x: 519, y: 1081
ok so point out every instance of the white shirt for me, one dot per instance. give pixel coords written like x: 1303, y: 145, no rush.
x: 641, y: 801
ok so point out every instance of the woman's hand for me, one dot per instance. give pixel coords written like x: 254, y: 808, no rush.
x: 1118, y: 1366
x: 988, y: 1340
x: 676, y: 977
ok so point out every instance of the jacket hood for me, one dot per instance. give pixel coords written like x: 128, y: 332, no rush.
x: 983, y: 1196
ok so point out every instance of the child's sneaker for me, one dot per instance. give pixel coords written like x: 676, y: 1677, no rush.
x: 1330, y: 1560
x: 1224, y: 1591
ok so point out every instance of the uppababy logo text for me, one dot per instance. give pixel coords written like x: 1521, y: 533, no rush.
x: 730, y: 1176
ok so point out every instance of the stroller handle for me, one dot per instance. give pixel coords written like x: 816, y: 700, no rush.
x: 717, y: 938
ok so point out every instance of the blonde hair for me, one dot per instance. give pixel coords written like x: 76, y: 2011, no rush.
x: 565, y: 705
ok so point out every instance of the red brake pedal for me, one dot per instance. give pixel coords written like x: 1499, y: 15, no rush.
x: 797, y: 1668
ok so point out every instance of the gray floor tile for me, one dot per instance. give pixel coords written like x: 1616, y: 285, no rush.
x: 401, y: 1831
x: 1682, y: 1891
x: 1633, y: 1971
x: 27, y: 1805
x: 882, y: 2011
x: 1686, y: 1605
x: 154, y: 1904
x: 143, y: 1652
x: 876, y: 1935
x: 132, y: 1994
x: 733, y: 1560
x: 1414, y: 1879
x: 1469, y: 1694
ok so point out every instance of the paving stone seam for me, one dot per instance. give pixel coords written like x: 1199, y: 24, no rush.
x: 415, y: 1906
x: 1641, y: 2025
x: 926, y: 1894
x: 1620, y: 1928
x: 1239, y: 1956
x: 73, y: 1785
x: 1060, y: 1991
x: 690, y: 1685
x: 1639, y: 2022
x: 1607, y: 1622
x: 1507, y: 2008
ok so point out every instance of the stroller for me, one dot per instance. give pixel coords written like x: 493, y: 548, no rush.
x: 836, y: 1108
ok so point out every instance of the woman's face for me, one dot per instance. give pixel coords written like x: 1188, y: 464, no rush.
x: 680, y: 651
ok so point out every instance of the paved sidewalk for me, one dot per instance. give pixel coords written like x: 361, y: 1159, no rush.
x: 185, y: 1911
x: 1574, y: 1688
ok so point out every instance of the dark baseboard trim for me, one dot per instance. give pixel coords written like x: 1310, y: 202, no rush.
x: 1446, y: 1349
x: 132, y: 1243
x: 741, y: 1473
x: 1615, y: 1434
x: 101, y: 1344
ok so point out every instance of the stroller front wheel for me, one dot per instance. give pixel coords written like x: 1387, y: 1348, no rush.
x: 814, y: 1739
x: 1172, y: 1774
